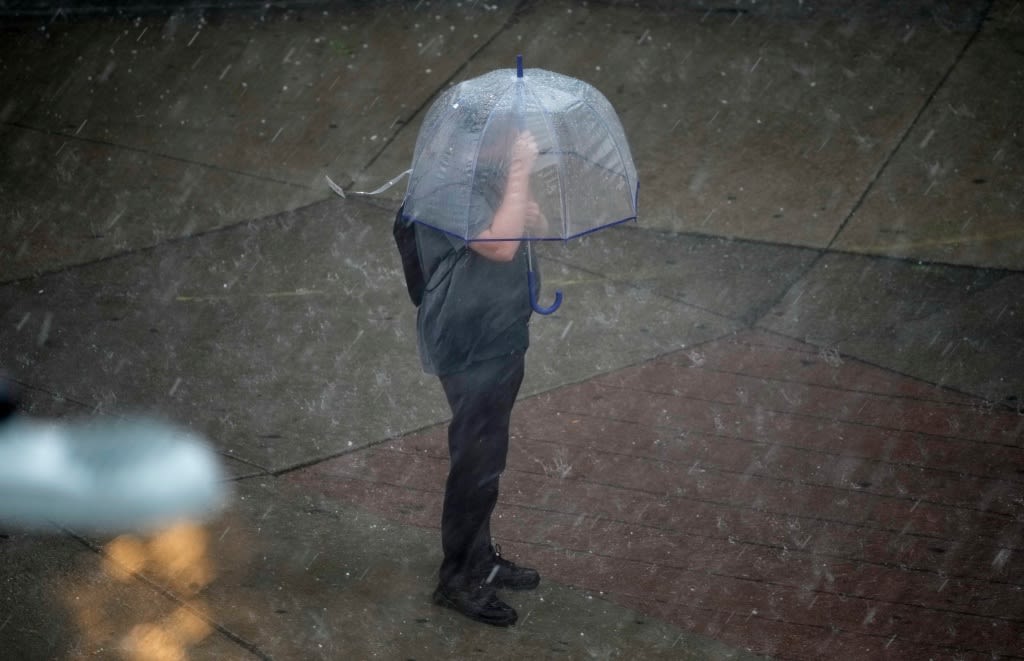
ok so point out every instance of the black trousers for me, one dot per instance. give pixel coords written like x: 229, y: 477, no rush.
x: 481, y: 399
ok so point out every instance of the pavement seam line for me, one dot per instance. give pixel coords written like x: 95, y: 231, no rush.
x: 96, y: 409
x: 524, y: 397
x: 913, y: 123
x: 650, y: 290
x: 170, y: 595
x: 156, y: 154
x: 512, y: 18
x: 170, y: 241
x: 828, y: 249
x: 355, y: 450
x: 1009, y: 408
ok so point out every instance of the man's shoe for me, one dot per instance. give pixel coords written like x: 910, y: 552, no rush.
x: 504, y: 574
x: 480, y: 603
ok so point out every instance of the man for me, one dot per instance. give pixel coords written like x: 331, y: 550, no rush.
x: 472, y: 329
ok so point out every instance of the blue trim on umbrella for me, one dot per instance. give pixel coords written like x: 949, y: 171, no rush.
x: 636, y: 207
x: 550, y: 152
x: 530, y: 275
x: 467, y: 239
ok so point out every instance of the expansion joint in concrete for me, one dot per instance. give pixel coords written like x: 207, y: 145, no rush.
x: 881, y: 168
x: 170, y: 595
x: 909, y: 129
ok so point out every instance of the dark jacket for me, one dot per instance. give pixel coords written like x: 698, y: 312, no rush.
x: 473, y: 308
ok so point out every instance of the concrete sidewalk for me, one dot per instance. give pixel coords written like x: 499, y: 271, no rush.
x: 781, y: 415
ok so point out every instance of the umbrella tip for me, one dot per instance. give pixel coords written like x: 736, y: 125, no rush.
x: 519, y: 66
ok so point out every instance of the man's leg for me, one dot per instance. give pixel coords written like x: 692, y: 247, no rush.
x: 481, y: 399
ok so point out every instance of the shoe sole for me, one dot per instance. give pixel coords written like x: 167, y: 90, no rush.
x: 441, y: 600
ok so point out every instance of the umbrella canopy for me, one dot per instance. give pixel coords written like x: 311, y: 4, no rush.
x: 583, y: 178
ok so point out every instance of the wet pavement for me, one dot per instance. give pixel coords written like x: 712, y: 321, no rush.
x: 779, y: 416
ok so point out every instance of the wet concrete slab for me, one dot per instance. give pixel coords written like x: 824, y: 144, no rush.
x: 946, y: 325
x: 712, y: 489
x: 952, y: 193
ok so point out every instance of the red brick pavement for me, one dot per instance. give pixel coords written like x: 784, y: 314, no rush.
x: 755, y: 490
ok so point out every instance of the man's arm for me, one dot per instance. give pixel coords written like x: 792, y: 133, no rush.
x: 517, y: 208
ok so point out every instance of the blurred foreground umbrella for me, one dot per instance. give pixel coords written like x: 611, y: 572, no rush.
x: 105, y: 475
x: 583, y: 179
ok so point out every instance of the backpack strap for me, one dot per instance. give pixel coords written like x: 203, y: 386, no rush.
x: 404, y: 232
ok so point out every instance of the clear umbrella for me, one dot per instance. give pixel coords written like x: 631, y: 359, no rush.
x: 583, y: 178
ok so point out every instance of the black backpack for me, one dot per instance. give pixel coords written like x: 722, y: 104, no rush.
x: 404, y: 232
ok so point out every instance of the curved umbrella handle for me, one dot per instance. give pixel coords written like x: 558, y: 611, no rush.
x: 537, y: 307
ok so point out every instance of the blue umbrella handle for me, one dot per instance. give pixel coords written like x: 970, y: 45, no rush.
x: 531, y: 276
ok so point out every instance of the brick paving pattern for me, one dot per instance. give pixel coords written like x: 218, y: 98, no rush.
x: 757, y: 490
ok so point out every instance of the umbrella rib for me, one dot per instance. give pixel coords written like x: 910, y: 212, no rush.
x: 561, y: 165
x: 618, y: 150
x: 476, y: 157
